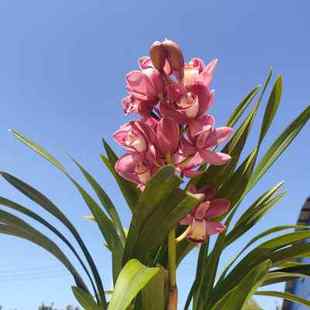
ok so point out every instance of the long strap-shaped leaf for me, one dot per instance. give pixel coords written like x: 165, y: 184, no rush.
x: 241, y: 107
x: 105, y: 201
x: 270, y: 249
x: 17, y: 207
x: 129, y: 190
x: 164, y: 183
x: 132, y: 279
x: 12, y: 225
x: 241, y: 293
x: 254, y: 213
x: 85, y: 299
x: 262, y: 235
x: 272, y: 107
x: 279, y: 146
x: 44, y: 202
x: 106, y: 227
x: 165, y: 218
x: 104, y: 223
x: 285, y: 295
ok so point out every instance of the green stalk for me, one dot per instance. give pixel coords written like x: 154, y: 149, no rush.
x: 173, y: 291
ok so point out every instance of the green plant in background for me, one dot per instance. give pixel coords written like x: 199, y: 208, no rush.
x: 180, y: 190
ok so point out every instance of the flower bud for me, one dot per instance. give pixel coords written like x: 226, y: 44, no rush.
x: 158, y: 55
x: 174, y: 55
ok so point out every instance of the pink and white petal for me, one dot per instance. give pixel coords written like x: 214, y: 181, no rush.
x: 190, y: 173
x: 223, y: 133
x: 186, y: 148
x: 203, y: 139
x: 125, y: 167
x: 193, y: 162
x: 214, y: 158
x: 200, y: 212
x: 175, y: 91
x: 210, y: 67
x: 169, y: 111
x: 139, y: 84
x: 145, y: 62
x: 200, y: 124
x: 218, y: 207
x: 212, y: 140
x: 197, y: 63
x: 206, y: 98
x: 213, y: 228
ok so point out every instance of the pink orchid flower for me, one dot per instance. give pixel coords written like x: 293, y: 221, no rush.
x: 201, y: 221
x: 135, y: 136
x: 144, y: 86
x: 205, y: 138
x: 191, y: 97
x: 135, y: 168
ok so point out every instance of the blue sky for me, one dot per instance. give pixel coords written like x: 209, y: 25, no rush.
x: 62, y: 67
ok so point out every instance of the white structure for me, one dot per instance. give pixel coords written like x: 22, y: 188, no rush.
x: 300, y: 287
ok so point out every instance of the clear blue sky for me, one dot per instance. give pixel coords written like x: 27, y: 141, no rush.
x: 62, y: 67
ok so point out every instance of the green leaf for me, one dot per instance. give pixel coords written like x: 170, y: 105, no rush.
x: 255, y: 213
x: 129, y: 190
x: 154, y: 294
x: 105, y: 201
x: 17, y: 207
x: 285, y: 295
x: 44, y: 202
x: 85, y: 299
x: 240, y: 179
x: 243, y: 291
x: 274, y: 249
x: 262, y: 235
x: 298, y: 250
x: 241, y: 107
x: 251, y: 305
x: 50, y: 207
x: 217, y: 175
x: 297, y: 267
x: 38, y: 149
x: 105, y: 225
x: 279, y: 277
x: 271, y: 108
x: 132, y: 279
x: 165, y: 218
x: 157, y: 190
x: 279, y: 146
x: 200, y: 274
x: 162, y: 204
x: 107, y: 229
x: 12, y: 225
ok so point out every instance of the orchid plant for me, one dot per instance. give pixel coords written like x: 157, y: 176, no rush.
x: 182, y: 192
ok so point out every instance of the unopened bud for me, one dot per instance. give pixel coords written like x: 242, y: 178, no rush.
x: 158, y: 55
x: 174, y: 55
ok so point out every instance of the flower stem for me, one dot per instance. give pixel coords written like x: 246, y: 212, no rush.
x: 173, y: 292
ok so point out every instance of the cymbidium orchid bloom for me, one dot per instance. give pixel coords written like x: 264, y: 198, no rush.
x: 144, y: 86
x: 202, y: 221
x: 135, y: 168
x: 135, y: 136
x: 173, y: 97
x: 204, y: 142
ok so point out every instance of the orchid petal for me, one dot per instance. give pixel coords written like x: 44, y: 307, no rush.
x: 214, y: 158
x: 213, y: 228
x: 218, y: 207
